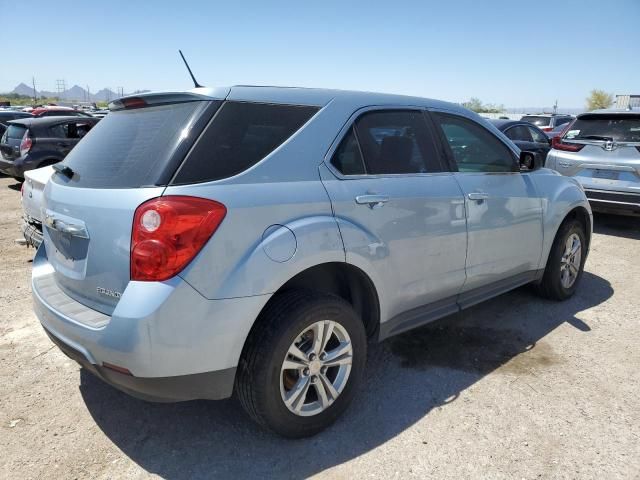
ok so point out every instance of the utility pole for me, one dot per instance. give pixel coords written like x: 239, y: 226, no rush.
x: 61, y: 87
x: 35, y: 94
x: 555, y: 107
x: 88, y: 94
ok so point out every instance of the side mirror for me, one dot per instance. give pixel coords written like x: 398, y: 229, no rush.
x: 530, y: 161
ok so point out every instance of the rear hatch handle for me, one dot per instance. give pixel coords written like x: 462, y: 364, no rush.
x: 65, y: 226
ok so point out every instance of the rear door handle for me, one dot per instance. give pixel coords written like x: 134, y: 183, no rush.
x: 477, y: 196
x: 374, y: 201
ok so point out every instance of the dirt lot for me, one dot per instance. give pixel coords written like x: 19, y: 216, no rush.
x: 516, y: 388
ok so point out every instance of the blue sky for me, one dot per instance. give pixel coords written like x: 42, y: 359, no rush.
x: 505, y: 52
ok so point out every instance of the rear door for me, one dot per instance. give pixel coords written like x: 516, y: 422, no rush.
x: 10, y: 142
x: 126, y: 160
x: 504, y: 212
x: 388, y: 179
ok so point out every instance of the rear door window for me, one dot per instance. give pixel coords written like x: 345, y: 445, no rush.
x: 239, y: 136
x: 538, y: 136
x: 15, y: 132
x: 473, y: 147
x: 348, y: 159
x: 397, y: 142
x: 520, y: 133
x: 133, y: 148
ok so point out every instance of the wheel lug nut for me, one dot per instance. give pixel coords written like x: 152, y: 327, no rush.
x: 313, y: 378
x: 305, y: 372
x: 323, y: 356
x: 323, y: 370
x: 312, y: 356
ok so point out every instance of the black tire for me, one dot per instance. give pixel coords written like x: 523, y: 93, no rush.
x: 259, y: 372
x: 551, y: 286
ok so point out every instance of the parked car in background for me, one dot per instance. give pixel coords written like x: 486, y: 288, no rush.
x: 252, y: 238
x: 32, y: 190
x: 52, y: 111
x: 547, y: 121
x: 37, y: 142
x: 526, y: 136
x: 601, y: 149
x: 557, y: 131
x: 8, y: 115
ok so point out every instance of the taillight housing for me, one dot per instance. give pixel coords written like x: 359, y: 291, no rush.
x: 168, y: 232
x: 546, y: 129
x: 558, y: 144
x: 25, y: 144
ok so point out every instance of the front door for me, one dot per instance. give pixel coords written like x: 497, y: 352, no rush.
x: 504, y: 211
x: 400, y: 212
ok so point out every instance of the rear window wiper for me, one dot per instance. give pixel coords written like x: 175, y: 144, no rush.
x: 593, y: 137
x: 63, y: 170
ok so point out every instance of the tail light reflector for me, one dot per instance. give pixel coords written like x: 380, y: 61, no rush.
x: 168, y: 232
x: 25, y: 144
x: 558, y: 144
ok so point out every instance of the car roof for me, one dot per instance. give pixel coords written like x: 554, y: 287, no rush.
x: 502, y: 123
x: 6, y: 113
x: 605, y: 111
x: 40, y: 121
x: 309, y: 96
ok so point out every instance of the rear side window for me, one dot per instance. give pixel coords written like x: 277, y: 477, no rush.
x: 397, y: 142
x: 132, y: 148
x: 473, y: 147
x: 348, y: 159
x: 15, y: 132
x: 618, y: 127
x: 537, y: 121
x: 239, y: 136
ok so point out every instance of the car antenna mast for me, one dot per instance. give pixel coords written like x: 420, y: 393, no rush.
x: 195, y: 82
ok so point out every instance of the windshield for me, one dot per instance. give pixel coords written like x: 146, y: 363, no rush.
x: 620, y: 128
x: 133, y: 148
x: 536, y: 120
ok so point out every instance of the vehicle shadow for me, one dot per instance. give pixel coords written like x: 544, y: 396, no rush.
x: 16, y: 186
x: 407, y: 377
x: 617, y: 225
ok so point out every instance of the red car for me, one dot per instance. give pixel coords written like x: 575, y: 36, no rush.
x: 55, y: 110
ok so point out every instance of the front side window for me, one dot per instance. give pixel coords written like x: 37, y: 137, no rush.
x: 397, y: 142
x: 538, y: 136
x: 474, y: 148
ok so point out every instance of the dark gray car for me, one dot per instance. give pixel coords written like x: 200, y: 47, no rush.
x: 37, y: 142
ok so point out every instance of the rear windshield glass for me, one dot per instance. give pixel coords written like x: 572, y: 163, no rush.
x: 537, y: 121
x: 621, y: 128
x: 240, y: 135
x: 15, y: 132
x: 132, y: 148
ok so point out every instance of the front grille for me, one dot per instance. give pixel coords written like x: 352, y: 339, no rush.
x: 607, y: 196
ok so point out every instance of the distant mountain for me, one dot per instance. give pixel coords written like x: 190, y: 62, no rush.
x: 73, y: 94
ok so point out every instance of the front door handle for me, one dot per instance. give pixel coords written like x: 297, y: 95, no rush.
x: 374, y: 201
x: 478, y: 196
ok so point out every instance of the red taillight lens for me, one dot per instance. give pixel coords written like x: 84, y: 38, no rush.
x: 558, y: 144
x: 168, y: 232
x: 546, y: 129
x: 25, y: 144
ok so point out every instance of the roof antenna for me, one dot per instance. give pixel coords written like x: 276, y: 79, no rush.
x: 195, y: 82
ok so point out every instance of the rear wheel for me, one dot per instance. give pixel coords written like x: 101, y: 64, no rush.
x: 566, y: 262
x: 302, y: 363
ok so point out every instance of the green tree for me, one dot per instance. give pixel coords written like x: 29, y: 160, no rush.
x: 599, y: 99
x: 477, y: 106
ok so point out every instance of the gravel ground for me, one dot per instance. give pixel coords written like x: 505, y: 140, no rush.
x: 517, y: 387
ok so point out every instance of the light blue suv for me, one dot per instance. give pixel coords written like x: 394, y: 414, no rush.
x: 252, y: 239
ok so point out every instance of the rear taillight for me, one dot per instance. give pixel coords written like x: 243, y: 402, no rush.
x: 558, y: 144
x: 25, y: 144
x: 168, y: 232
x: 546, y: 129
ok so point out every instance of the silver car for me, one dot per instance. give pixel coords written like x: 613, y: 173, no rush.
x: 601, y: 150
x: 252, y: 239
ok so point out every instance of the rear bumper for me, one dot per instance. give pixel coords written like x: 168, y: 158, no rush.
x: 176, y: 344
x: 609, y: 201
x: 12, y: 169
x: 32, y: 233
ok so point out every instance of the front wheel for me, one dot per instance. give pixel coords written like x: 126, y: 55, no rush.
x: 565, y: 265
x: 302, y: 363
